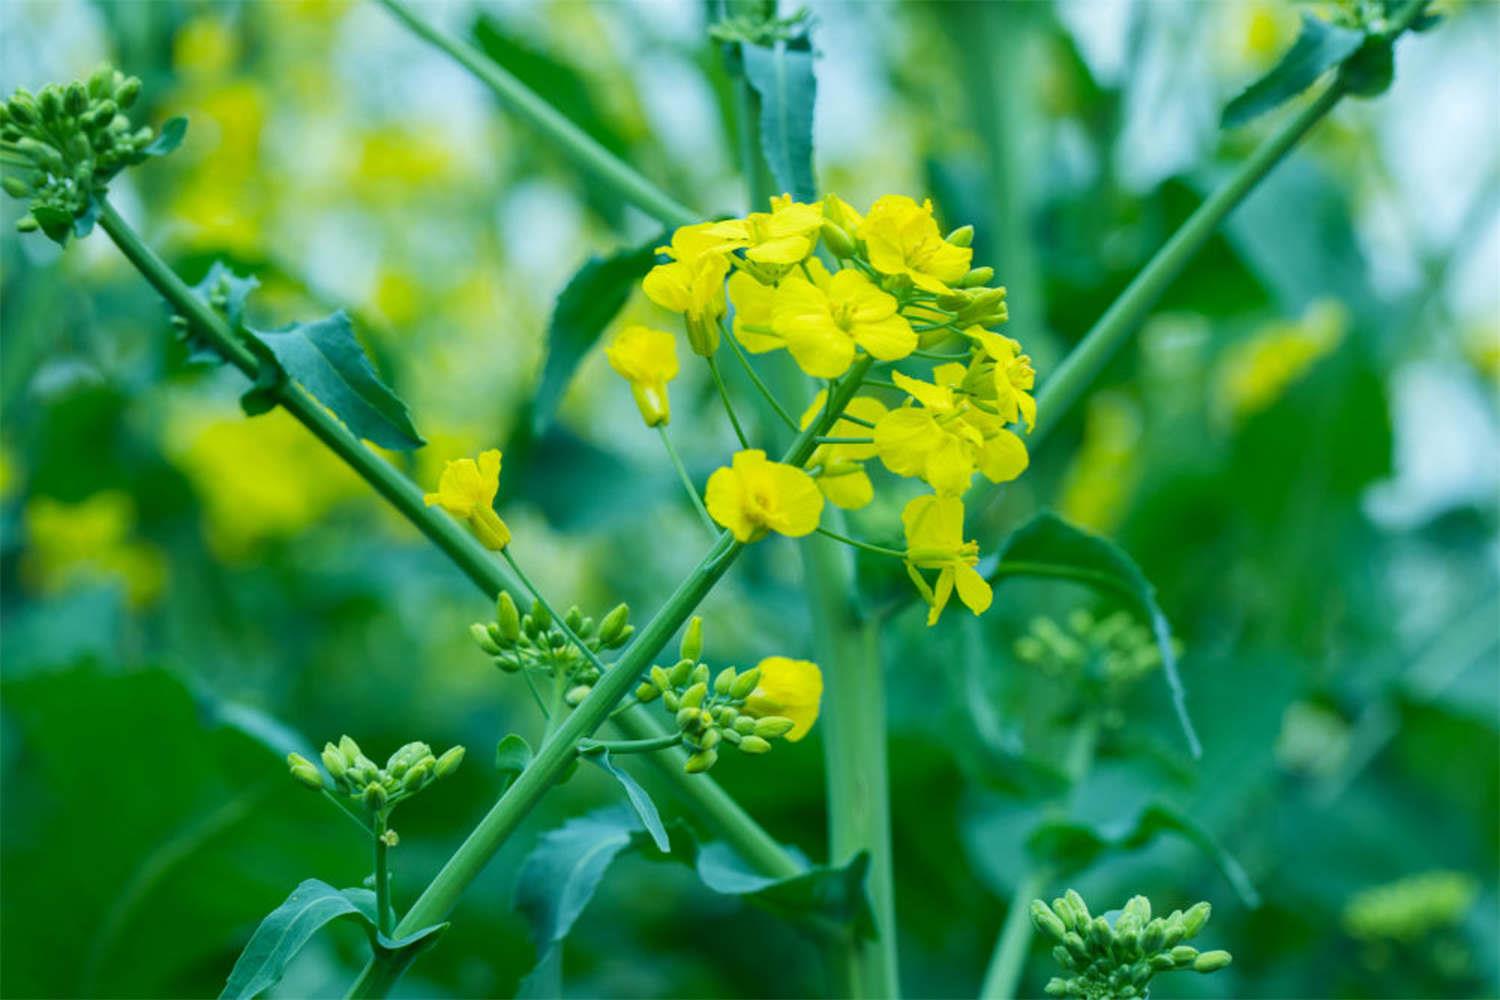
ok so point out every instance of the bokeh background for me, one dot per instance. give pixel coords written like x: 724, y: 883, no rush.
x: 1301, y: 449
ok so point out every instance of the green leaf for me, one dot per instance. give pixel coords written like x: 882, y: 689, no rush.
x: 588, y: 304
x: 55, y: 222
x: 783, y: 77
x: 1371, y: 70
x: 640, y: 801
x: 512, y: 756
x: 326, y: 359
x: 224, y: 292
x: 169, y: 138
x: 285, y: 930
x: 1069, y: 845
x: 1320, y: 47
x: 822, y: 893
x: 1048, y: 546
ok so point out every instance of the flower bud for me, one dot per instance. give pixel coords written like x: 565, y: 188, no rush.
x: 647, y: 692
x: 837, y: 240
x: 745, y: 683
x: 419, y: 776
x: 772, y: 726
x: 754, y: 744
x: 680, y: 672
x: 49, y: 102
x: 75, y: 100
x: 448, y: 762
x: 1046, y: 921
x: 1193, y: 920
x: 705, y: 719
x: 305, y: 771
x: 375, y: 796
x: 977, y: 277
x: 724, y: 682
x: 660, y: 678
x: 963, y: 236
x: 693, y: 696
x: 128, y: 91
x: 1079, y: 907
x: 481, y: 636
x: 390, y: 838
x: 102, y: 81
x: 613, y: 625
x: 541, y: 616
x: 692, y: 640
x: 576, y: 694
x: 701, y: 761
x: 507, y: 618
x: 334, y: 761
x: 687, y: 719
x: 16, y: 187
x: 699, y: 674
x: 672, y: 700
x: 27, y: 224
x: 574, y: 619
x: 745, y: 724
x: 1212, y: 961
x: 21, y: 111
x: 1184, y: 954
x: 709, y: 740
x: 349, y: 749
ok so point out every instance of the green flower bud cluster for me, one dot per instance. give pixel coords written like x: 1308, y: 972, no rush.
x: 709, y: 707
x: 1411, y: 908
x: 1108, y: 958
x: 1114, y: 652
x: 534, y: 641
x: 408, y: 771
x: 76, y: 138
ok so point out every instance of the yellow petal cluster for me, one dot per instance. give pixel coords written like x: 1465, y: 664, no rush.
x: 467, y: 489
x: 753, y: 496
x: 935, y: 540
x: 943, y: 436
x: 792, y: 689
x: 839, y: 468
x: 902, y: 238
x: 647, y: 359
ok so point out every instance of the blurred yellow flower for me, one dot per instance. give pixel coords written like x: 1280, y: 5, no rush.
x: 71, y: 543
x: 467, y: 490
x: 935, y: 540
x: 754, y: 496
x: 946, y: 438
x: 1411, y: 907
x: 1103, y: 472
x: 647, y: 359
x: 841, y: 475
x: 823, y: 323
x: 205, y: 46
x: 902, y: 238
x: 1256, y: 372
x: 792, y: 689
x: 1012, y: 376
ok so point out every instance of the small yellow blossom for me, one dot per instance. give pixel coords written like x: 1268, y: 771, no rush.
x: 789, y: 688
x: 647, y: 359
x: 1256, y: 372
x: 781, y: 237
x: 1011, y: 377
x: 822, y: 324
x: 71, y: 543
x: 902, y: 238
x: 467, y: 489
x: 752, y: 312
x: 842, y: 476
x: 754, y: 496
x: 695, y: 288
x: 947, y: 437
x: 935, y: 540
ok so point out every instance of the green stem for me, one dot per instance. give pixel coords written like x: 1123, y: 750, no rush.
x: 739, y: 432
x: 1009, y: 957
x: 851, y: 418
x: 1129, y: 311
x: 382, y: 874
x: 846, y: 440
x: 879, y: 550
x: 755, y: 379
x: 646, y: 745
x: 687, y: 481
x: 577, y: 144
x: 1092, y: 578
x: 381, y: 973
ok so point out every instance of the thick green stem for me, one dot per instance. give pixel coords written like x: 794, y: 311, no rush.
x: 1079, y: 369
x: 1009, y: 957
x: 581, y: 147
x: 380, y: 974
x: 382, y: 875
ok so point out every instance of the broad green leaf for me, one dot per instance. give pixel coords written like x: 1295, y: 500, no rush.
x: 1320, y: 47
x: 1068, y: 845
x: 822, y: 893
x: 640, y: 801
x: 512, y: 755
x: 783, y: 76
x: 169, y: 138
x: 285, y: 930
x: 588, y: 304
x: 326, y: 359
x: 1048, y: 546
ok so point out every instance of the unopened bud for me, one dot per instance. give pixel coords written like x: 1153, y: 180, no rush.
x: 745, y: 683
x: 709, y: 740
x: 541, y: 616
x: 334, y: 761
x: 693, y: 696
x: 977, y: 277
x: 687, y: 719
x: 305, y: 771
x: 837, y: 240
x: 699, y: 674
x: 417, y: 778
x: 1212, y: 961
x: 481, y: 636
x: 390, y: 838
x: 692, y: 640
x: 660, y: 678
x: 75, y: 100
x: 576, y: 694
x: 672, y: 700
x: 448, y: 762
x: 613, y: 625
x: 507, y: 618
x: 962, y: 236
x: 646, y: 692
x: 754, y: 744
x: 1193, y: 920
x: 375, y: 796
x: 724, y: 682
x: 349, y: 749
x: 1184, y: 954
x: 772, y: 726
x: 574, y: 619
x: 1046, y: 921
x: 16, y: 187
x: 128, y: 91
x: 701, y: 761
x: 680, y: 672
x: 745, y: 724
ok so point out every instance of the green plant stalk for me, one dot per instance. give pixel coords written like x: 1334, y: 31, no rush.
x: 1009, y: 957
x: 477, y: 563
x: 687, y: 481
x: 558, y: 751
x: 382, y: 874
x: 581, y: 147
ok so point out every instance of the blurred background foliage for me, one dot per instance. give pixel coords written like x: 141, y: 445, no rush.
x: 1300, y: 449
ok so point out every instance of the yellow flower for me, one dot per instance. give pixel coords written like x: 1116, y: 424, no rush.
x: 789, y: 688
x: 935, y: 540
x: 752, y: 312
x: 1256, y: 372
x: 947, y: 437
x: 902, y: 238
x: 780, y: 238
x: 755, y: 496
x: 823, y: 323
x: 1013, y: 377
x: 647, y: 359
x: 695, y: 288
x: 467, y: 489
x: 68, y: 544
x: 841, y: 476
